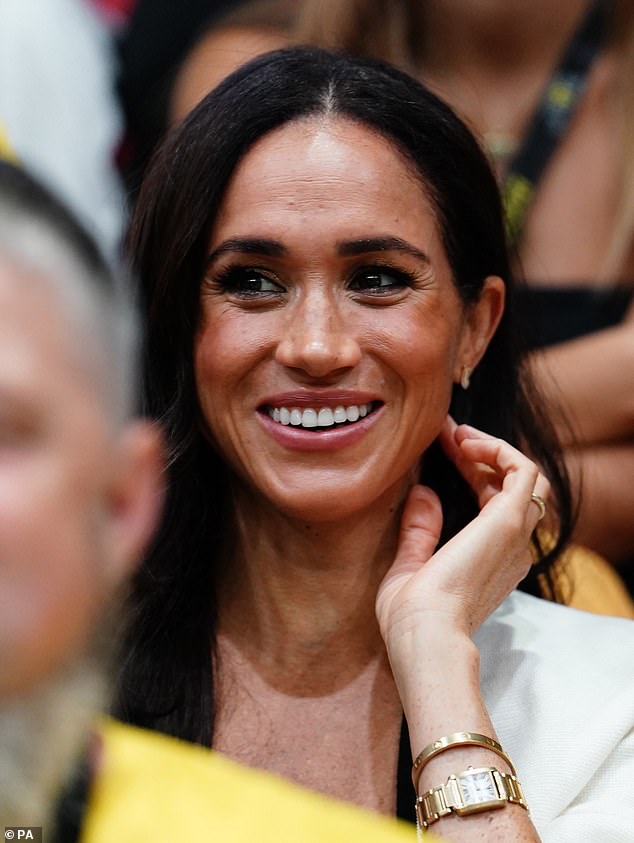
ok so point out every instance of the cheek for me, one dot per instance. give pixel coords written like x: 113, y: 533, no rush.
x: 421, y: 352
x: 50, y: 588
x: 419, y: 358
x: 227, y: 351
x: 216, y: 352
x: 46, y: 620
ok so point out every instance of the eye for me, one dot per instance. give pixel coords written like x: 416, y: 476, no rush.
x: 16, y: 431
x: 379, y: 280
x: 248, y: 283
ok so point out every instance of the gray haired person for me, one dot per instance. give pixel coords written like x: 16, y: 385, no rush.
x: 79, y: 489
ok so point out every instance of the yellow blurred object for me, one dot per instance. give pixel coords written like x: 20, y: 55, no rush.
x: 590, y: 583
x: 6, y: 150
x: 150, y: 787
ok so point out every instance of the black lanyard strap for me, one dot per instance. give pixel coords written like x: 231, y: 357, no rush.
x: 552, y: 116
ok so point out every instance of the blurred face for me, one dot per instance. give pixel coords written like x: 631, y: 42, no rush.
x: 58, y: 527
x: 331, y: 330
x: 214, y: 57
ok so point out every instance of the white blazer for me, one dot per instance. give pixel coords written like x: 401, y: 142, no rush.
x: 559, y: 686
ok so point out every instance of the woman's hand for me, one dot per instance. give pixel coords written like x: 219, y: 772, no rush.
x: 459, y: 586
x: 429, y: 604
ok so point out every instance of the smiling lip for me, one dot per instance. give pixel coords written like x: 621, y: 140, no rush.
x: 324, y: 439
x: 319, y: 398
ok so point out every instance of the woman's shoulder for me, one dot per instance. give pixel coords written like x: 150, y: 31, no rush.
x: 557, y: 665
x: 558, y: 686
x: 550, y: 634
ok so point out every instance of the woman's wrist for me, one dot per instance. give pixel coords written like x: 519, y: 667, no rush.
x: 438, y: 679
x: 437, y: 671
x: 433, y: 650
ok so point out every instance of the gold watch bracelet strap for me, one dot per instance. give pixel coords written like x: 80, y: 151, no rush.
x: 455, y: 740
x: 440, y: 801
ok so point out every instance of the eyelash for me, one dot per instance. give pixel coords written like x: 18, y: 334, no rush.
x: 233, y: 278
x: 400, y: 276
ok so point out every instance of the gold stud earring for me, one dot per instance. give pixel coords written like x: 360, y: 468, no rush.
x: 465, y: 377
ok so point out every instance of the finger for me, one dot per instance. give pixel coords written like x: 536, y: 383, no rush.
x: 542, y: 487
x: 519, y: 482
x: 517, y: 472
x: 447, y: 438
x: 542, y: 491
x: 421, y: 524
x: 451, y: 446
x: 479, y: 457
x: 490, y: 464
x: 467, y: 431
x: 505, y: 456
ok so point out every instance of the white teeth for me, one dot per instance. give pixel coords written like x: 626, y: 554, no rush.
x: 309, y: 418
x: 324, y: 417
x: 340, y: 415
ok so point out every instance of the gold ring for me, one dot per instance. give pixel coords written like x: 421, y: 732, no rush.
x: 541, y: 505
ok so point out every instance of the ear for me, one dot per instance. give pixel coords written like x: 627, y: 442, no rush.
x: 134, y: 498
x: 481, y: 320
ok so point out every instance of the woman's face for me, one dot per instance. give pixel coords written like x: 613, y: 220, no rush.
x: 331, y: 332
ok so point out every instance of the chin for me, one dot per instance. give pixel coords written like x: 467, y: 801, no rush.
x: 43, y: 733
x: 330, y: 499
x: 327, y: 511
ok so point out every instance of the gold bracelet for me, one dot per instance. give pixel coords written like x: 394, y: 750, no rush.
x: 454, y: 740
x: 469, y: 792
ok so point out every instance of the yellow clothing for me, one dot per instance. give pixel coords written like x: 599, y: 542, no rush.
x: 154, y: 789
x: 590, y: 583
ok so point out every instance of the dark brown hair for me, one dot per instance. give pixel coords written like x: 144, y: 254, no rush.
x: 167, y: 679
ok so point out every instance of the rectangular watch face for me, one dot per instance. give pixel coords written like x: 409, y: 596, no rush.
x: 478, y: 791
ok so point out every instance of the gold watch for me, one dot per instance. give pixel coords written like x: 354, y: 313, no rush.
x: 473, y: 790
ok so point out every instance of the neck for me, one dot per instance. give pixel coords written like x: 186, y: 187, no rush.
x: 496, y: 36
x: 308, y: 589
x: 491, y: 60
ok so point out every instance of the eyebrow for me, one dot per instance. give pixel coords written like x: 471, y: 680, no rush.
x: 348, y: 248
x: 381, y: 244
x: 249, y: 246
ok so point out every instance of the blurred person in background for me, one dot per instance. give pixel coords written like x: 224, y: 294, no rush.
x: 80, y: 489
x: 152, y: 43
x: 229, y: 40
x: 59, y: 110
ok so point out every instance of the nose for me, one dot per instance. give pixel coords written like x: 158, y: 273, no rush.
x: 317, y: 341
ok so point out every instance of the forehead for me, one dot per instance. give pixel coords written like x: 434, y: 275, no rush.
x: 328, y: 171
x: 37, y: 353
